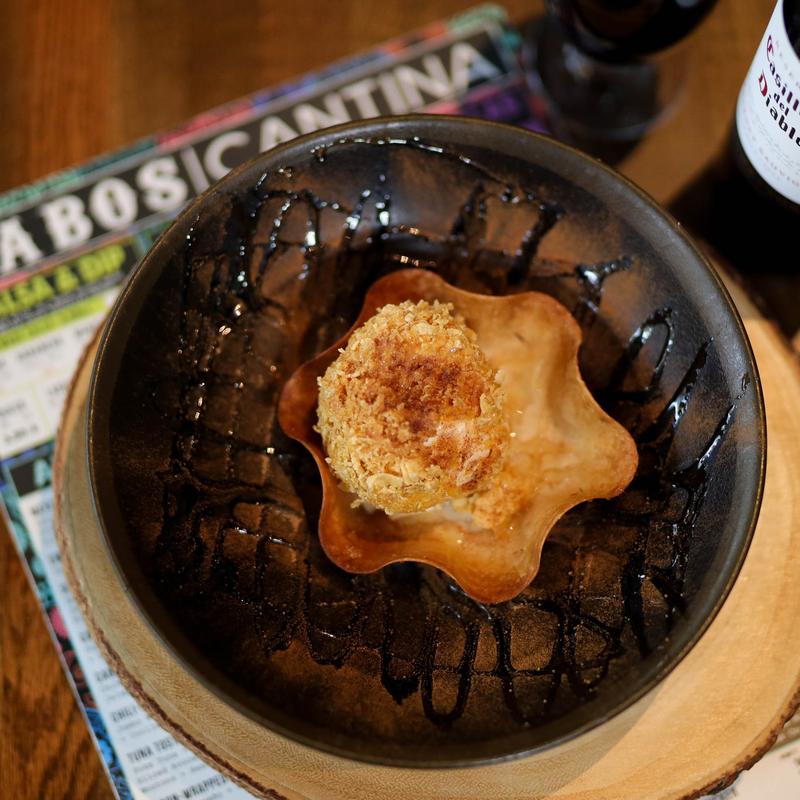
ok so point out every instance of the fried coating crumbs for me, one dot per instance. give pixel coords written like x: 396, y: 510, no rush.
x: 411, y: 413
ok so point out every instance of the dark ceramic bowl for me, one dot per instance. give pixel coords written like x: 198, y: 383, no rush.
x: 211, y: 512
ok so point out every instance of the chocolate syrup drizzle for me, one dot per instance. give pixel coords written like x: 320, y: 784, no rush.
x: 240, y: 502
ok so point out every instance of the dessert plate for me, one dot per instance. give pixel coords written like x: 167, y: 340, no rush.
x: 210, y: 512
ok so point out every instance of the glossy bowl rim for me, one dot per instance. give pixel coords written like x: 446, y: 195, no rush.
x: 481, y: 133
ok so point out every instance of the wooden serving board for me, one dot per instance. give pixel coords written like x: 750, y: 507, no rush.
x: 714, y: 715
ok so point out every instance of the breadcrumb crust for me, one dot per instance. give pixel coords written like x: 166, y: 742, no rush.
x: 410, y: 413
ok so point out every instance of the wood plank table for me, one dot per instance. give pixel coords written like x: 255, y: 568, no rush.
x: 81, y: 77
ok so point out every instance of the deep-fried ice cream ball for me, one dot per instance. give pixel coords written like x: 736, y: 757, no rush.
x: 411, y: 413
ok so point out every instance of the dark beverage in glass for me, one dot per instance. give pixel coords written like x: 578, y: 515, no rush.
x: 620, y: 30
x: 602, y: 68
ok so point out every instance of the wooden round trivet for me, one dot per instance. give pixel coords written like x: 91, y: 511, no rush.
x: 715, y: 714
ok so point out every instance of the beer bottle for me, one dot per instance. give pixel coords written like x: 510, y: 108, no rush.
x: 747, y: 205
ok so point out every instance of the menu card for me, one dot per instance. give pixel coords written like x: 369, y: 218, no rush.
x: 67, y: 243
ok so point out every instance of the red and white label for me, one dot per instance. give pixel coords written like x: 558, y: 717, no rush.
x: 768, y: 111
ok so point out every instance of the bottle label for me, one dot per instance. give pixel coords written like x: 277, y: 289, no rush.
x: 768, y: 111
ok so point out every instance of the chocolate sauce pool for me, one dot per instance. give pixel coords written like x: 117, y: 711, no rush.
x: 222, y: 507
